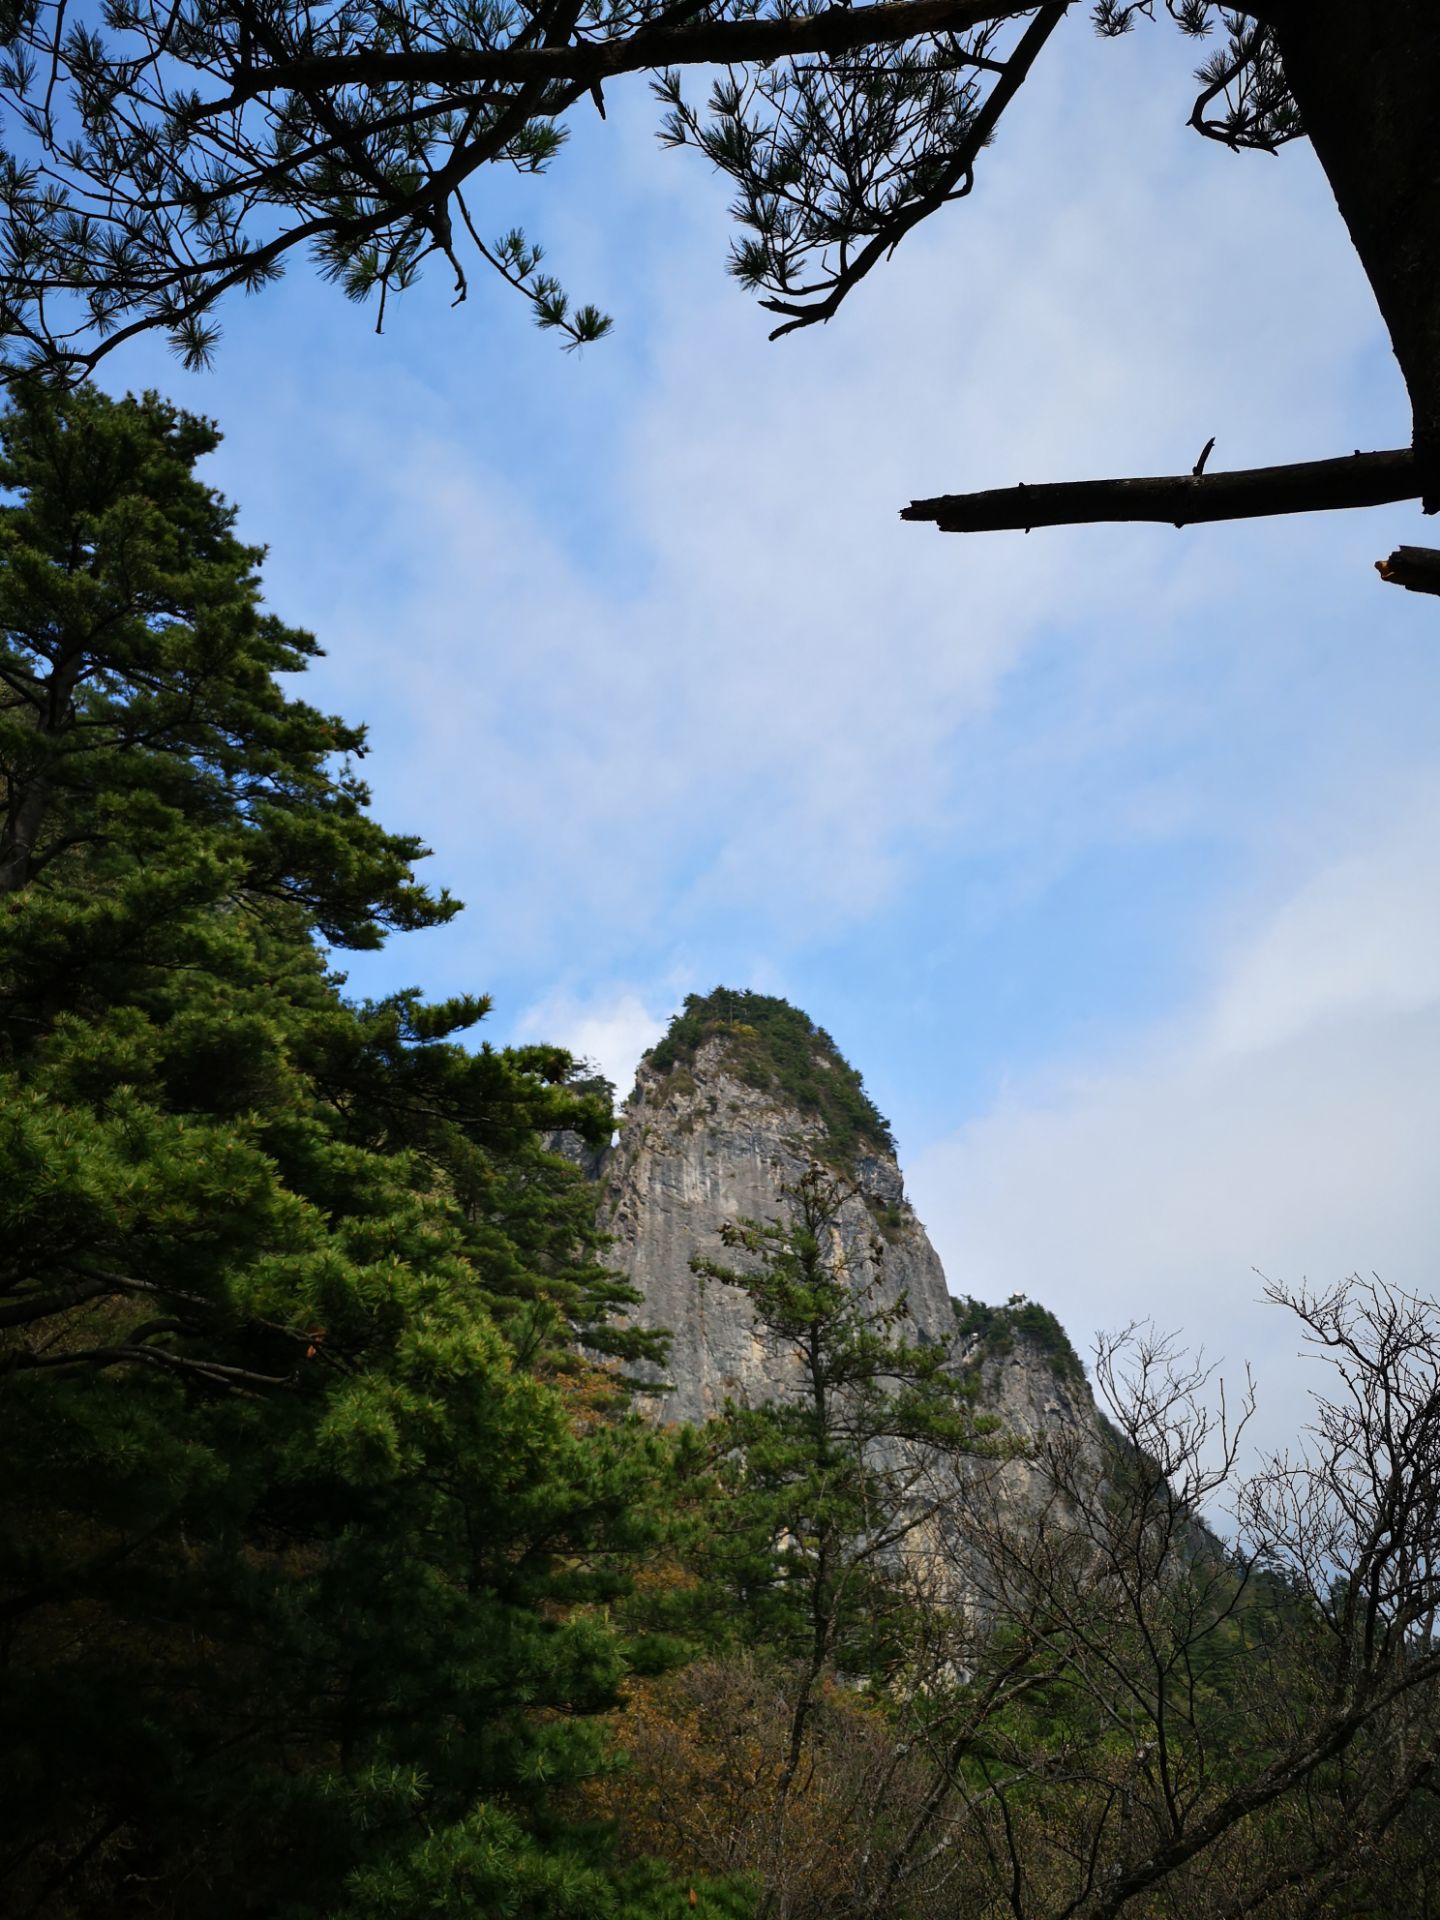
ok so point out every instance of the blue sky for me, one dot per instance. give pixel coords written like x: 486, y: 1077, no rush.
x: 1108, y: 854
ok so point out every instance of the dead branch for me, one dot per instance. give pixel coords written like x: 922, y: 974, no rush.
x: 1308, y: 486
x: 1415, y: 568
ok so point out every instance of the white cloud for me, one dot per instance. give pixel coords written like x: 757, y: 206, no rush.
x: 611, y: 1028
x: 1288, y: 1125
x: 1361, y: 937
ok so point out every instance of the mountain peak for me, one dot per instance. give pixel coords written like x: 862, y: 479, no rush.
x: 778, y: 1049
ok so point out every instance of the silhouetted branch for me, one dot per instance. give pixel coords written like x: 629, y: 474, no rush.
x: 838, y: 29
x: 1309, y: 486
x: 953, y: 184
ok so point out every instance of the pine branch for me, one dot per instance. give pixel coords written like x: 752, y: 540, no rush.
x: 23, y: 1313
x: 1309, y: 486
x: 135, y: 1352
x: 953, y: 183
x: 836, y: 29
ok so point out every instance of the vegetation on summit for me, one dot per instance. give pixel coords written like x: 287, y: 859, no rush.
x: 993, y: 1331
x: 775, y: 1047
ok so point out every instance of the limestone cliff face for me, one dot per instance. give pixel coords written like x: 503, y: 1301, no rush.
x: 742, y: 1097
x: 701, y: 1145
x: 1032, y: 1390
x: 722, y: 1116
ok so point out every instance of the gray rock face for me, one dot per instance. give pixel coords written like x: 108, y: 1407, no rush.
x: 700, y: 1147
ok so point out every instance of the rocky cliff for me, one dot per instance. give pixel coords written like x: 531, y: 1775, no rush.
x: 740, y: 1098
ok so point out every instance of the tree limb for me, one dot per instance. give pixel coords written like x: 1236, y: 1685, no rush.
x: 837, y: 29
x: 43, y: 1306
x: 953, y: 183
x: 137, y: 1353
x: 1309, y: 486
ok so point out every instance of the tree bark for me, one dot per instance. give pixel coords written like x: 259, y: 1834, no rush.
x: 1366, y: 77
x: 1415, y: 568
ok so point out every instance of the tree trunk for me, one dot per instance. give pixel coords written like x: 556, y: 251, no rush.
x: 27, y: 800
x: 1366, y: 77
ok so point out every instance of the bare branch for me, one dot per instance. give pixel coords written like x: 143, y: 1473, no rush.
x: 1309, y: 486
x: 136, y: 1352
x: 21, y: 1313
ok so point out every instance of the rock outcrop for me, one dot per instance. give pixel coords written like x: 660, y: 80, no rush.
x: 739, y: 1100
x: 700, y: 1146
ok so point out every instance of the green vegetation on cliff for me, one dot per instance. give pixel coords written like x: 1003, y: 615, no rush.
x: 997, y: 1328
x: 775, y: 1047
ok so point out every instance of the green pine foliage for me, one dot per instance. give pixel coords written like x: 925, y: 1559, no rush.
x: 820, y: 1490
x: 993, y: 1332
x: 311, y: 1518
x: 774, y: 1046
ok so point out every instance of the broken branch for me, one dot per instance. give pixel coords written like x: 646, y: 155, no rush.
x: 1415, y: 568
x: 1310, y: 486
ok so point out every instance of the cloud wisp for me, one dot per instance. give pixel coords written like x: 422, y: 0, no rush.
x: 1286, y: 1124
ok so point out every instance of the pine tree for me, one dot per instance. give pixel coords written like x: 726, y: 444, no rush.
x: 309, y: 1523
x: 814, y: 1545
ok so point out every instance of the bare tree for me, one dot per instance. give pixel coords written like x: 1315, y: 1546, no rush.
x: 1209, y: 1728
x: 1102, y: 1706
